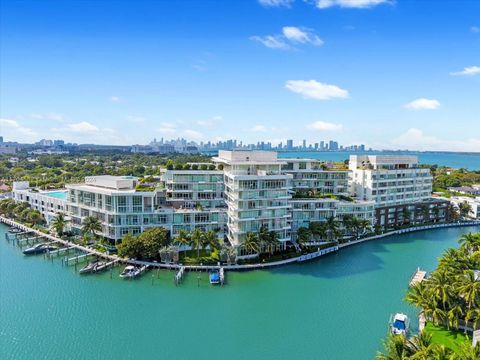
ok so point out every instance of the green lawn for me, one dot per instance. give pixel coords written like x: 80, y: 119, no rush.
x: 450, y: 339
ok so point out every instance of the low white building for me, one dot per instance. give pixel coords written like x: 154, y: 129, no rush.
x: 473, y: 202
x: 122, y: 209
x: 49, y: 203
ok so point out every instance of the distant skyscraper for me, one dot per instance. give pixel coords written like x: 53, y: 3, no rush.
x: 322, y: 145
x: 304, y: 144
x: 289, y: 144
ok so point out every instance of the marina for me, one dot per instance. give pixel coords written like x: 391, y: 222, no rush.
x: 103, y: 305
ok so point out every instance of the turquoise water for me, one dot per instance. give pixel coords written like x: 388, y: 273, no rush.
x: 455, y: 160
x: 334, y: 308
x: 57, y: 194
x: 467, y: 161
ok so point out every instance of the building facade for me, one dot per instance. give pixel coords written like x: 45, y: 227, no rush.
x: 256, y: 193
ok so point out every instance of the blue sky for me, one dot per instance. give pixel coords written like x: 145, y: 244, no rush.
x: 390, y: 74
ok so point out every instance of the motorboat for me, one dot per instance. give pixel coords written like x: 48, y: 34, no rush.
x: 214, y: 277
x: 93, y: 266
x: 399, y: 324
x: 130, y: 272
x: 14, y: 230
x: 39, y: 249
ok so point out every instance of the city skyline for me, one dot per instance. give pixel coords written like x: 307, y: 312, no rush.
x: 267, y: 70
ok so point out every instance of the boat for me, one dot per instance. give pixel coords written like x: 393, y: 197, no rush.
x: 39, y: 249
x: 130, y: 272
x: 14, y: 230
x: 399, y: 324
x: 214, y: 277
x: 93, y: 266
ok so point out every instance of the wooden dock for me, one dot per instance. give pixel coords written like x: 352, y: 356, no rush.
x: 418, y: 277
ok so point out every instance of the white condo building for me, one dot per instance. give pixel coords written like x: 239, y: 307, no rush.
x: 256, y: 193
x: 115, y: 201
x: 389, y: 179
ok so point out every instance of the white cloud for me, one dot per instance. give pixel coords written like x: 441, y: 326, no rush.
x: 272, y: 42
x: 115, y: 99
x: 323, y: 4
x: 301, y: 35
x: 423, y: 104
x: 471, y: 70
x: 83, y: 127
x: 475, y: 29
x: 12, y: 129
x: 291, y: 35
x: 415, y: 139
x: 192, y: 134
x: 276, y: 3
x: 312, y: 89
x: 324, y: 126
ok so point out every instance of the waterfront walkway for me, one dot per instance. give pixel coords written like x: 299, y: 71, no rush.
x: 237, y: 267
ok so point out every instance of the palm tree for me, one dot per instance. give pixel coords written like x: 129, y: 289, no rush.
x: 197, y: 240
x: 420, y: 345
x: 183, y: 238
x: 34, y: 217
x: 468, y: 352
x: 452, y: 212
x: 440, y: 286
x: 58, y: 223
x: 395, y: 349
x: 332, y: 228
x: 210, y: 239
x: 251, y: 242
x: 303, y: 236
x: 469, y: 290
x: 318, y: 230
x: 263, y: 237
x: 91, y: 225
x: 464, y: 209
x: 453, y: 316
x: 470, y: 242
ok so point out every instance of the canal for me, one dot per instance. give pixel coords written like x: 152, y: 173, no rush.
x: 334, y: 308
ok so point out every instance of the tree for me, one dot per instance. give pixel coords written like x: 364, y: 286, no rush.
x: 152, y: 240
x: 146, y: 245
x: 91, y: 226
x: 303, y: 236
x: 250, y: 244
x: 210, y: 239
x: 183, y: 238
x: 130, y: 247
x: 58, y: 223
x: 34, y: 216
x: 197, y: 240
x: 332, y: 229
x: 471, y: 242
x: 464, y: 209
x: 318, y: 230
x: 395, y: 349
x: 469, y: 289
x: 453, y: 213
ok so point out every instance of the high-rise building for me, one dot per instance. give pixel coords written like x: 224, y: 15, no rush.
x: 256, y: 193
x: 304, y: 144
x: 289, y: 144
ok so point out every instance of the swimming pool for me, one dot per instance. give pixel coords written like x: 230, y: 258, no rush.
x: 57, y: 194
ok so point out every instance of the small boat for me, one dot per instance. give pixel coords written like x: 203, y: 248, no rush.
x: 214, y: 277
x: 130, y: 272
x: 92, y: 267
x: 39, y: 249
x: 399, y: 324
x: 14, y: 230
